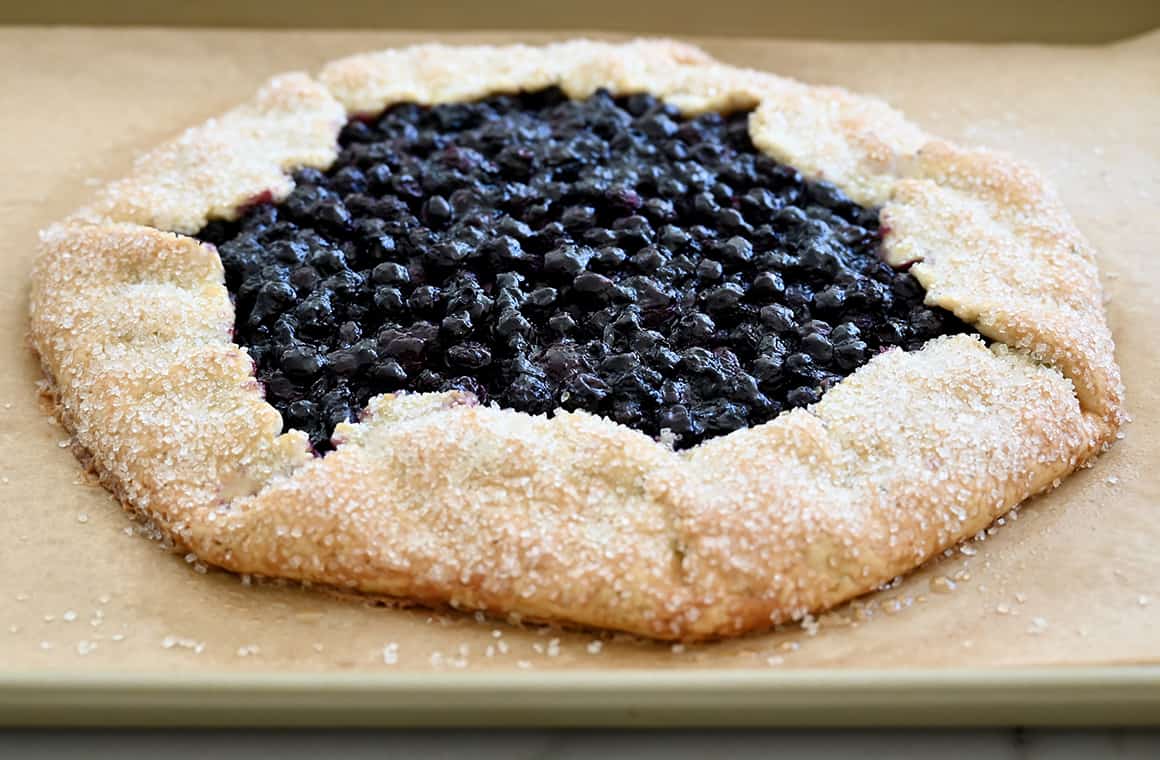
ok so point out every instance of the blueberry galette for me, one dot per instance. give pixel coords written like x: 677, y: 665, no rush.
x: 610, y: 335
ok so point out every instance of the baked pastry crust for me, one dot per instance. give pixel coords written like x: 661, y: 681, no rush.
x: 436, y: 499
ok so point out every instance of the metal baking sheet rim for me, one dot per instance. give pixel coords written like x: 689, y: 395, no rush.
x: 1027, y: 696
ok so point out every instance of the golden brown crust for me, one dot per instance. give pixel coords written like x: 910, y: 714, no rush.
x: 680, y: 73
x: 863, y: 495
x: 991, y: 243
x: 575, y: 518
x: 210, y: 171
x: 133, y: 327
x: 448, y: 502
x: 860, y: 144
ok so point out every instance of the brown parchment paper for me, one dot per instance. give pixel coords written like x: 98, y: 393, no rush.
x: 1075, y: 579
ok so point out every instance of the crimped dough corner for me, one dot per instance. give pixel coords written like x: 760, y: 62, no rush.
x: 575, y: 519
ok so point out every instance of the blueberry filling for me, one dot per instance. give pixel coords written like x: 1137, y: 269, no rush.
x: 604, y: 254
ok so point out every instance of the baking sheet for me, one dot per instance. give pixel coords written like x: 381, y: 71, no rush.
x: 1072, y: 579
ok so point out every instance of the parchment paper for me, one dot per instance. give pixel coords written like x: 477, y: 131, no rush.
x: 1075, y: 579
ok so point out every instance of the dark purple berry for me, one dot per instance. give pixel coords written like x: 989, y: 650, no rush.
x: 607, y: 254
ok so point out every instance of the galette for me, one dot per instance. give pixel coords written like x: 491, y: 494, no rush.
x: 609, y: 335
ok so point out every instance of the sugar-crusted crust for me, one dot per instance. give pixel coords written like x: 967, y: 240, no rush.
x: 574, y: 518
x: 211, y: 170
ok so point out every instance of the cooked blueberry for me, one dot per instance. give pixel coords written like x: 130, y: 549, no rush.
x: 671, y: 187
x: 566, y: 261
x: 761, y: 202
x: 803, y: 396
x: 273, y: 298
x: 660, y: 210
x: 925, y: 321
x: 447, y: 254
x: 349, y: 332
x: 849, y: 355
x: 529, y: 393
x: 828, y: 196
x: 302, y: 412
x: 514, y: 228
x: 813, y: 327
x: 693, y: 328
x: 390, y: 273
x: 380, y: 247
x: 767, y: 286
x: 342, y: 362
x: 585, y: 389
x: 609, y: 258
x: 735, y: 252
x: 649, y: 259
x: 468, y: 356
x: 709, y: 270
x: 301, y: 362
x: 731, y: 220
x: 316, y: 312
x: 304, y: 279
x: 335, y: 410
x: 542, y: 298
x: 344, y: 285
x: 578, y: 217
x: 624, y: 199
x: 632, y: 232
x: 799, y: 364
x: 831, y: 299
x: 627, y: 411
x: 563, y: 360
x: 673, y: 238
x: 436, y: 211
x: 723, y: 298
x: 847, y: 331
x: 332, y: 212
x: 562, y: 323
x: 405, y: 347
x: 721, y: 417
x: 767, y: 368
x: 677, y: 420
x: 424, y: 299
x: 457, y: 325
x: 818, y: 260
x: 349, y: 179
x: 288, y: 251
x: 657, y: 126
x: 651, y: 294
x: 779, y: 318
x: 505, y: 250
x: 606, y: 254
x: 511, y: 322
x: 389, y: 373
x: 378, y: 176
x: 327, y: 260
x: 389, y: 300
x: 593, y: 284
x: 906, y: 287
x: 617, y: 363
x: 799, y: 296
x: 891, y: 332
x: 428, y: 380
x: 819, y: 347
